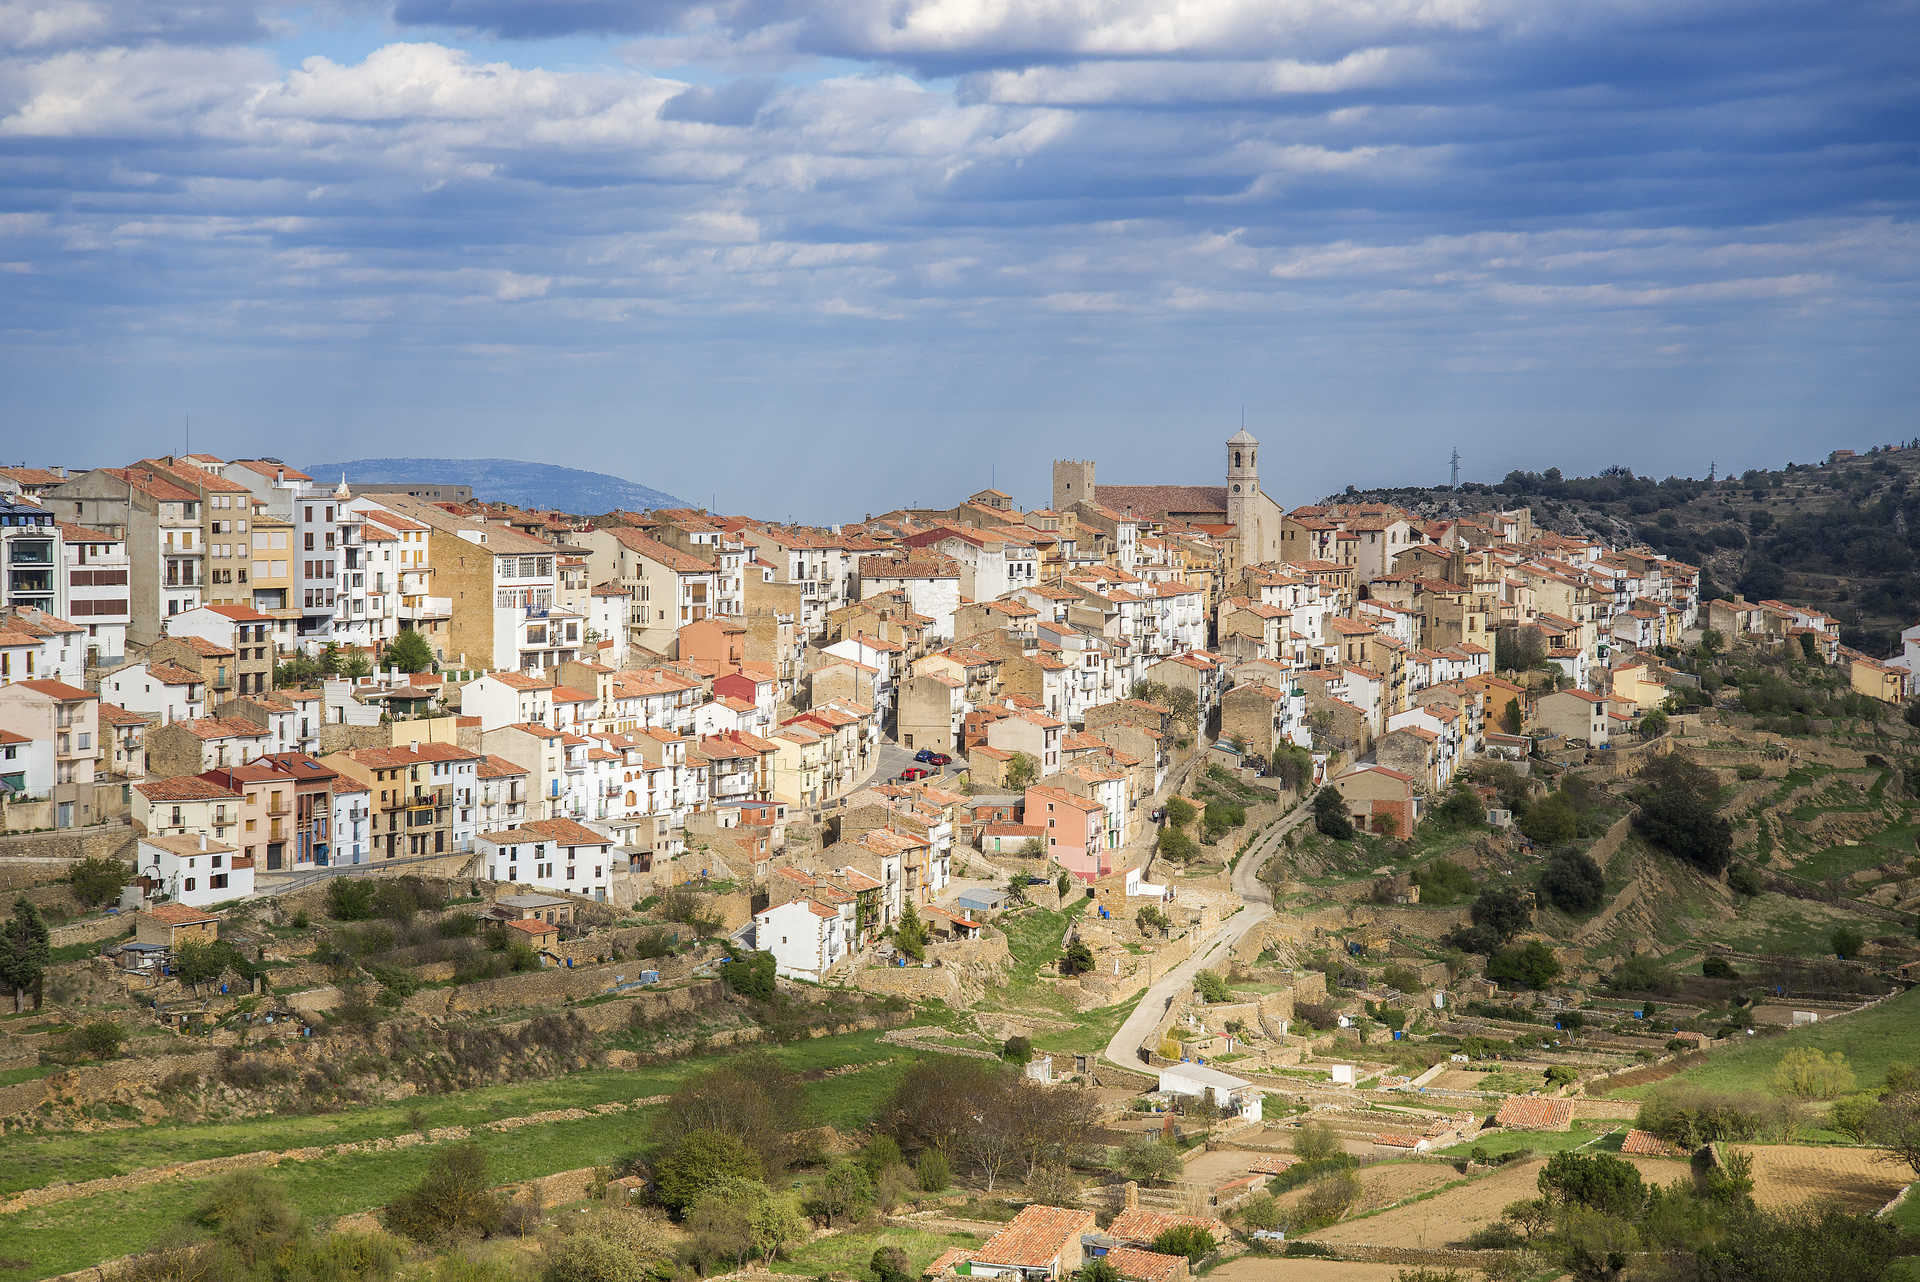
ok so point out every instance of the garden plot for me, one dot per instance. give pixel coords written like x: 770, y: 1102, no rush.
x: 1853, y: 1179
x: 1448, y: 1217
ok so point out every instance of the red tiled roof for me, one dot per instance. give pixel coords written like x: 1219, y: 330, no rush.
x: 1534, y: 1113
x: 1037, y: 1237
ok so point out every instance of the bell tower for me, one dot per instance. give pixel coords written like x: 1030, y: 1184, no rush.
x: 1243, y: 488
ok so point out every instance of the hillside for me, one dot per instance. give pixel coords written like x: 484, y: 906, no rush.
x: 1839, y: 536
x: 502, y: 480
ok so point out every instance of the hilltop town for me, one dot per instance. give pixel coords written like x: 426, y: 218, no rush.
x: 1160, y: 882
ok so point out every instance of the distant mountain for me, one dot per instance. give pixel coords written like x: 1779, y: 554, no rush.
x: 505, y: 480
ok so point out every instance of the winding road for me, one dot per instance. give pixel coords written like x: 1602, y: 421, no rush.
x: 1257, y: 901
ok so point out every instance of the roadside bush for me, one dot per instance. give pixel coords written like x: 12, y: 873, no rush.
x: 1211, y: 987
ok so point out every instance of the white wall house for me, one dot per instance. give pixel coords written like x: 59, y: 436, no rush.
x: 806, y: 938
x: 193, y: 870
x: 1236, y: 1096
x: 554, y: 854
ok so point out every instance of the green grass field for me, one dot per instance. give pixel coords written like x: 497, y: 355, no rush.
x: 850, y: 1252
x: 1896, y: 841
x: 1494, y: 1143
x: 73, y: 1234
x: 1871, y: 1040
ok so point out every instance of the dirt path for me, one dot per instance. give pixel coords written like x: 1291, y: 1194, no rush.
x: 202, y: 1167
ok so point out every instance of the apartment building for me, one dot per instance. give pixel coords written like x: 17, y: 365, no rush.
x: 423, y: 797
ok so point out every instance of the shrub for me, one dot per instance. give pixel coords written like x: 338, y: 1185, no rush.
x: 1443, y: 882
x: 1718, y: 968
x: 700, y: 1160
x: 1017, y: 1049
x: 97, y: 881
x: 1211, y: 986
x: 98, y: 1039
x: 1690, y: 1117
x: 751, y: 976
x: 1316, y: 1142
x: 933, y: 1172
x: 350, y: 898
x: 1846, y: 942
x: 1744, y: 880
x: 1076, y: 959
x: 1189, y: 1240
x: 454, y: 1198
x: 1330, y: 815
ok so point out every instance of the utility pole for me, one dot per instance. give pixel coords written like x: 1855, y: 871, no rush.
x: 1455, y: 462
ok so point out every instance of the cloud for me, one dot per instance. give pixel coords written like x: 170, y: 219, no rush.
x: 1162, y: 202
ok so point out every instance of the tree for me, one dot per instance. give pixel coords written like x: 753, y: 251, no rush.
x: 1180, y: 812
x: 1809, y: 1073
x: 98, y: 881
x: 455, y: 1198
x: 932, y: 1172
x: 197, y: 962
x: 24, y: 953
x: 1204, y: 1109
x: 1744, y: 881
x: 98, y: 1038
x: 1531, y: 964
x: 1174, y: 844
x: 698, y: 1161
x: 844, y: 1191
x: 1021, y: 771
x: 1330, y: 815
x: 1099, y: 1269
x: 910, y: 934
x: 1602, y: 1181
x: 1679, y: 802
x: 409, y: 652
x: 1077, y: 959
x: 1501, y: 911
x: 1189, y: 1240
x: 1017, y: 1049
x: 588, y: 1257
x: 1572, y: 882
x: 1895, y: 1126
x: 1517, y: 648
x: 754, y: 1098
x: 1653, y: 724
x: 1148, y: 1160
x: 1846, y: 942
x: 742, y: 1217
x: 1462, y: 807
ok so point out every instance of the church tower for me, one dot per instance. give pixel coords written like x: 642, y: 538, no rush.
x: 1243, y: 491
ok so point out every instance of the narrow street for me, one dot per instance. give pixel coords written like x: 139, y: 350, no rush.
x: 1124, y: 1049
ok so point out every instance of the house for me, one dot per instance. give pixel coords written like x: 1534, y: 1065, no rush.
x: 1534, y: 1113
x: 547, y: 908
x: 1575, y: 715
x: 1883, y: 681
x: 1041, y: 1242
x: 67, y: 718
x: 806, y: 937
x: 1381, y: 799
x: 164, y: 691
x: 559, y: 854
x: 171, y: 925
x: 1141, y: 1226
x: 422, y: 796
x: 1076, y: 830
x: 192, y: 870
x: 1235, y: 1096
x: 252, y: 636
x: 537, y: 934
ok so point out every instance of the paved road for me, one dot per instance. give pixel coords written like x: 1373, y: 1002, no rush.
x: 1124, y: 1049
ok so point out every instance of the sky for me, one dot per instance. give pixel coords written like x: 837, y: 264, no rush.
x: 814, y: 260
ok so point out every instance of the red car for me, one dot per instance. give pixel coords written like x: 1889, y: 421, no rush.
x: 912, y: 773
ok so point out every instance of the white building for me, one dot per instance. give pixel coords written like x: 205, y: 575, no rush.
x: 807, y: 938
x: 193, y: 870
x: 352, y: 803
x: 554, y: 854
x: 95, y: 567
x: 164, y: 691
x: 1236, y: 1096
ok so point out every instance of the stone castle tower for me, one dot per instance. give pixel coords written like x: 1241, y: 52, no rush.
x: 1072, y: 483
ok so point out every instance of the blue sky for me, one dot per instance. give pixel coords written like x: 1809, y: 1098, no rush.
x: 824, y: 259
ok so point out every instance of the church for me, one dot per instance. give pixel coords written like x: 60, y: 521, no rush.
x: 1253, y: 518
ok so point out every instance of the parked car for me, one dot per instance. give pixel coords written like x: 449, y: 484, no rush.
x: 912, y: 773
x: 937, y: 758
x: 925, y: 754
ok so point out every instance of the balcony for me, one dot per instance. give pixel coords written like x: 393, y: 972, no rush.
x: 420, y: 799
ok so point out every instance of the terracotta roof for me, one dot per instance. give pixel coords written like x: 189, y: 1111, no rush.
x: 406, y: 755
x: 178, y: 915
x: 1137, y: 1265
x: 1534, y: 1113
x: 1037, y: 1237
x: 1158, y: 500
x: 59, y: 690
x: 1639, y: 1143
x: 184, y: 788
x: 946, y: 1261
x: 1141, y: 1225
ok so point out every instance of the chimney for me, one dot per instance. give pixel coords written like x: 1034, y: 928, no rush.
x: 413, y: 746
x: 1130, y: 1191
x: 203, y: 841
